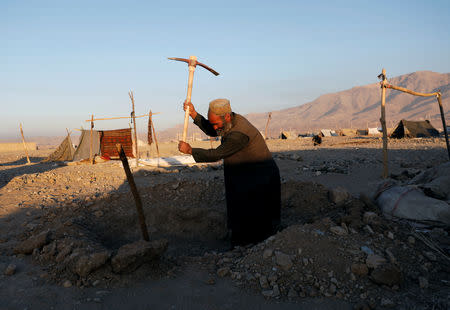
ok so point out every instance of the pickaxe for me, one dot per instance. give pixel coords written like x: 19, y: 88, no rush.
x: 192, y: 62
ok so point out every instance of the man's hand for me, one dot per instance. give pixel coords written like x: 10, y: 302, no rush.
x: 184, y: 147
x: 192, y: 111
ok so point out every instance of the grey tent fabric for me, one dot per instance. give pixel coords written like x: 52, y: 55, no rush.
x: 414, y: 129
x: 64, y: 152
x: 82, y: 151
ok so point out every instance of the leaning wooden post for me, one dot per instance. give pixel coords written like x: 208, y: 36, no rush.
x: 24, y: 145
x: 443, y: 122
x: 154, y: 133
x: 91, y: 142
x: 135, y: 192
x: 383, y: 122
x: 133, y: 116
x: 267, y: 125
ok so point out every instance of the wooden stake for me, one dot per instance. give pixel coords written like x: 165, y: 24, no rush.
x: 443, y: 122
x: 137, y: 198
x: 383, y: 123
x: 154, y: 133
x: 267, y: 125
x: 24, y: 145
x: 135, y: 133
x: 119, y: 117
x: 91, y: 141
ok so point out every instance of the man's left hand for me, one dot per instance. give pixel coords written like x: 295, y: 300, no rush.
x: 184, y: 147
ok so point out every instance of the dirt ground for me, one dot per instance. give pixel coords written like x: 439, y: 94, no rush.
x: 67, y: 231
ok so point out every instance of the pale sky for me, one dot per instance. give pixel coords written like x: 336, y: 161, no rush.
x: 61, y: 61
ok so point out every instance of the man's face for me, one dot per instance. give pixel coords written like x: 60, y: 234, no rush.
x: 221, y: 124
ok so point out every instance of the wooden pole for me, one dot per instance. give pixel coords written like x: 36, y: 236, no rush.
x: 24, y: 145
x: 134, y: 191
x: 135, y: 132
x: 210, y: 141
x: 441, y: 109
x: 119, y: 117
x: 410, y: 91
x: 383, y: 123
x: 91, y: 141
x: 267, y: 124
x: 154, y: 134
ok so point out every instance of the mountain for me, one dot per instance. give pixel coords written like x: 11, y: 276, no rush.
x: 358, y: 107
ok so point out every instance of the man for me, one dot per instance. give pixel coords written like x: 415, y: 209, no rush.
x: 252, y: 178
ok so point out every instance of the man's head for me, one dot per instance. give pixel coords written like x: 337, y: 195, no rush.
x: 219, y: 115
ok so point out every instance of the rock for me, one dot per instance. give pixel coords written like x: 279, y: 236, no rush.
x: 292, y: 293
x: 373, y: 260
x: 34, y: 242
x: 10, y: 270
x: 338, y: 230
x: 263, y: 282
x: 132, y: 255
x: 67, y: 283
x: 223, y: 272
x: 386, y: 302
x: 390, y: 235
x: 267, y: 253
x: 283, y: 260
x: 367, y: 250
x: 391, y: 256
x: 98, y: 213
x: 423, y: 282
x: 430, y: 255
x: 369, y: 229
x: 338, y: 195
x: 332, y: 289
x: 369, y: 217
x: 88, y: 263
x: 386, y: 275
x: 360, y: 269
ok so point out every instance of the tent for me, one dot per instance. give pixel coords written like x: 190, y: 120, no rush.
x: 414, y: 129
x: 82, y: 151
x: 64, y: 152
x: 287, y: 135
x: 326, y: 132
x: 348, y: 132
x: 373, y: 131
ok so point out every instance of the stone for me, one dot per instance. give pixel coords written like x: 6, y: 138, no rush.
x: 263, y: 282
x: 369, y: 229
x: 34, y: 242
x: 411, y: 240
x: 338, y: 195
x: 88, y: 263
x: 386, y: 302
x: 390, y: 235
x: 283, y: 260
x: 292, y: 293
x: 423, y: 282
x: 267, y: 253
x: 98, y: 213
x: 430, y: 255
x: 369, y: 217
x: 338, y: 230
x: 332, y: 289
x: 223, y: 272
x: 132, y: 255
x: 374, y: 260
x: 360, y: 269
x: 10, y: 270
x: 67, y: 283
x: 388, y: 275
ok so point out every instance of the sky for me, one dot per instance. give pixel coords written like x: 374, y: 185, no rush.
x: 62, y: 61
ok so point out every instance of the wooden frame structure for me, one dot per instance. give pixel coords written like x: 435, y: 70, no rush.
x: 384, y: 84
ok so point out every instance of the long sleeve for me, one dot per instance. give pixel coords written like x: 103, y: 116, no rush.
x: 231, y: 143
x: 204, y: 125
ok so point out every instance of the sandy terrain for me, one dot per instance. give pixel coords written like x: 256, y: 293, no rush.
x: 63, y: 227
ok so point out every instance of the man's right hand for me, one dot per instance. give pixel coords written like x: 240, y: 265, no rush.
x: 192, y: 111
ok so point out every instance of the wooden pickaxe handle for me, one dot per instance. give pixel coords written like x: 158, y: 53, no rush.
x: 192, y: 64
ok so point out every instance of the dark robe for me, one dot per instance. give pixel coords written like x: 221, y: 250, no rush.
x: 252, y: 179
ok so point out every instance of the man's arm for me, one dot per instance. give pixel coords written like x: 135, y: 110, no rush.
x: 205, y: 125
x: 231, y: 143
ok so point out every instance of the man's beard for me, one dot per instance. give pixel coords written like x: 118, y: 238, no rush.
x: 226, y: 128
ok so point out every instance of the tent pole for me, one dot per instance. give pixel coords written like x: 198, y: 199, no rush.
x: 154, y: 134
x: 443, y: 122
x: 91, y: 157
x: 24, y: 145
x: 383, y: 123
x: 267, y: 124
x: 134, y: 126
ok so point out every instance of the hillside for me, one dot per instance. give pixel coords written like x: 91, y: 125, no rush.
x: 358, y: 107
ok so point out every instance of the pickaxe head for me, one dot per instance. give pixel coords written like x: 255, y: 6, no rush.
x: 192, y: 62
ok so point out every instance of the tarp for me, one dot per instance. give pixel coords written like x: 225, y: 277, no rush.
x: 348, y: 132
x: 414, y: 129
x: 287, y: 135
x: 373, y: 131
x: 64, y: 152
x: 180, y: 160
x: 109, y: 139
x: 82, y: 151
